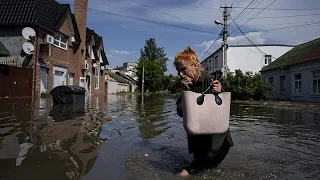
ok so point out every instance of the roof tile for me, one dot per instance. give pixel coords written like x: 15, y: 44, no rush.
x: 308, y: 51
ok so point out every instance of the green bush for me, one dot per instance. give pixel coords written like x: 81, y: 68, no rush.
x: 246, y: 86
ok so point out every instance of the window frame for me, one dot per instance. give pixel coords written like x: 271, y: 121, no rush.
x: 267, y: 59
x: 216, y: 62
x: 59, y: 41
x: 297, y: 82
x: 317, y: 79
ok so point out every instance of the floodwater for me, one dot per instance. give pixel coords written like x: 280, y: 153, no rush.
x: 133, y: 137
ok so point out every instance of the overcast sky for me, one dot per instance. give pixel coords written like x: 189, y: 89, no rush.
x: 179, y: 23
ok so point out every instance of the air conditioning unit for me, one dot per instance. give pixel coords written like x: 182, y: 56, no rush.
x: 49, y: 39
x: 85, y: 65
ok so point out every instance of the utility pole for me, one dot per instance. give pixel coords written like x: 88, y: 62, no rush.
x: 142, y: 88
x: 225, y: 68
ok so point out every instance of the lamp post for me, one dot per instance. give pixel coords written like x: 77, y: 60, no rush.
x: 225, y: 68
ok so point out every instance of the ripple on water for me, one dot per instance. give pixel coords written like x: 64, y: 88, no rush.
x: 111, y: 136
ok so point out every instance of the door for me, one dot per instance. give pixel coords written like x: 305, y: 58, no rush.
x: 88, y: 84
x: 82, y: 82
x: 43, y: 85
x: 59, y: 76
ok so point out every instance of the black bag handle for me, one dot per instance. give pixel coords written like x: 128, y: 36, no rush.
x: 200, y: 99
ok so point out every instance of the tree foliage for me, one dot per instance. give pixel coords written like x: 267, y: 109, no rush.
x: 172, y: 84
x: 154, y: 60
x: 246, y: 86
x: 152, y: 52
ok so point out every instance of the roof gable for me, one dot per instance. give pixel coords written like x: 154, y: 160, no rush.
x: 44, y: 13
x: 302, y: 53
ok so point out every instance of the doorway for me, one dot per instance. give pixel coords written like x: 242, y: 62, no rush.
x: 88, y: 84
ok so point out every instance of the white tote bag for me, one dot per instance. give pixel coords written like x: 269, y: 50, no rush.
x: 207, y: 118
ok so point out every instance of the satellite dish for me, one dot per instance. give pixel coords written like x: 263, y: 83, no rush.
x: 27, y: 32
x: 28, y: 48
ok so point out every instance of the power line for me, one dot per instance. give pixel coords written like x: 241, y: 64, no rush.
x: 288, y: 27
x: 150, y: 21
x: 257, y: 14
x: 242, y: 11
x: 298, y: 15
x: 164, y: 13
x: 285, y: 9
x: 263, y: 53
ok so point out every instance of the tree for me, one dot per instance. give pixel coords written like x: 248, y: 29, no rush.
x: 153, y: 77
x: 154, y: 60
x: 153, y: 53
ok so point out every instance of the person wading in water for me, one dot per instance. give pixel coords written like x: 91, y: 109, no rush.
x: 208, y: 150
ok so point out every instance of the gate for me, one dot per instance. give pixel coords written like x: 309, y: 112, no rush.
x: 15, y: 81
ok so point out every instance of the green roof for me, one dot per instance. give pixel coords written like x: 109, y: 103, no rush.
x: 3, y: 51
x: 308, y: 51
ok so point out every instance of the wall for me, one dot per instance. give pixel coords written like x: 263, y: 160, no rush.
x: 250, y: 58
x: 51, y: 55
x: 305, y: 69
x: 276, y: 81
x: 209, y: 63
x: 13, y: 41
x: 59, y: 57
x: 112, y: 87
x: 90, y: 71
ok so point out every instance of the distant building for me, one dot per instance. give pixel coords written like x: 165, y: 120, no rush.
x: 128, y: 69
x: 296, y: 74
x: 117, y: 82
x: 244, y: 57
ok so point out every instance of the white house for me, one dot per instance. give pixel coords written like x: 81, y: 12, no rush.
x: 245, y: 57
x: 296, y: 74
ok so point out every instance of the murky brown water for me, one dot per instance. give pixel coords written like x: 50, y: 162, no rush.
x: 125, y: 137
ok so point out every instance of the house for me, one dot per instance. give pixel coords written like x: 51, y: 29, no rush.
x: 94, y: 64
x: 115, y: 83
x: 296, y: 74
x: 60, y: 43
x: 244, y: 57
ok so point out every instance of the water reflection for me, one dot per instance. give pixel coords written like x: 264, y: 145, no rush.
x: 109, y: 135
x: 42, y: 141
x: 150, y: 115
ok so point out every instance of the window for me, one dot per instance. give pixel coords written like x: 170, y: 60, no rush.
x: 316, y: 82
x: 282, y: 85
x: 271, y: 80
x: 96, y: 77
x: 267, y: 59
x: 60, y: 41
x: 297, y: 83
x: 210, y: 64
x: 216, y: 63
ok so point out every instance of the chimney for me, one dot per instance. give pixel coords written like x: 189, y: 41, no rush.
x: 80, y: 13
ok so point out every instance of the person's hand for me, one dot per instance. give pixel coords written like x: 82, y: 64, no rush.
x: 216, y: 86
x: 186, y: 81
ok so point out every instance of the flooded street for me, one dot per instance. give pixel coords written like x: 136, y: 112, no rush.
x: 134, y: 137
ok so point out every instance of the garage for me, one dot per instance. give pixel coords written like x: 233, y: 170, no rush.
x: 59, y: 76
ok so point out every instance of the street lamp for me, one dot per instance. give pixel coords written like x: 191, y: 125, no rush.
x: 218, y: 22
x: 225, y: 67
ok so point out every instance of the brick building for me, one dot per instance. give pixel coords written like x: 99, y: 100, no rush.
x: 61, y: 44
